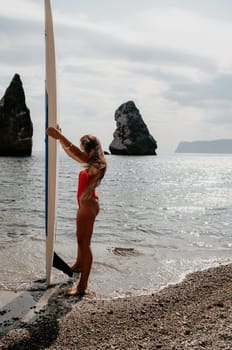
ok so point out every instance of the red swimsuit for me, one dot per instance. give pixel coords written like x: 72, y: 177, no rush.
x: 83, y: 182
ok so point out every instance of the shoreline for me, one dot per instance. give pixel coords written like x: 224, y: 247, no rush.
x: 193, y: 314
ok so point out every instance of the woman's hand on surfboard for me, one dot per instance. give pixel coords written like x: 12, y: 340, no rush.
x: 53, y: 132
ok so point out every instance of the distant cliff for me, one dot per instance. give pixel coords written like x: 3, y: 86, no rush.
x: 131, y: 136
x: 16, y: 127
x: 214, y: 146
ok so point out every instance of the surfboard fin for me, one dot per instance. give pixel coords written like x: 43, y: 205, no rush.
x: 61, y: 265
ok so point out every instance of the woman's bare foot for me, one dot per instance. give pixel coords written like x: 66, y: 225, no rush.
x: 75, y: 292
x: 79, y: 290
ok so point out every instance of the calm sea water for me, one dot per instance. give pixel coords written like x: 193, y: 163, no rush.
x: 161, y: 217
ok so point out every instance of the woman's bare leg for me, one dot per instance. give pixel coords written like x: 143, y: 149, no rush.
x: 85, y: 223
x: 76, y: 266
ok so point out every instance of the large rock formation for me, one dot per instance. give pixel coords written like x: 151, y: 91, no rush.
x: 131, y: 136
x: 16, y: 127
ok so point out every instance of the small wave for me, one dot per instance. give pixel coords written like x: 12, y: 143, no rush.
x: 107, y: 266
x: 185, y: 209
x: 124, y: 251
x: 218, y: 209
x: 7, y: 201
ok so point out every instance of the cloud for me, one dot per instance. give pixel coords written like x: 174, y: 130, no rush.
x: 171, y: 57
x: 202, y: 93
x: 221, y: 118
x: 97, y: 41
x: 21, y: 42
x: 26, y: 10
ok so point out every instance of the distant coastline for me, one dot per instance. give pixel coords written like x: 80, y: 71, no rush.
x: 213, y: 146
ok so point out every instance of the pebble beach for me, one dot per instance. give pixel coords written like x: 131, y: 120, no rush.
x: 194, y: 314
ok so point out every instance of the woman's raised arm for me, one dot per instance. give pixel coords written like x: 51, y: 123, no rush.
x: 72, y: 151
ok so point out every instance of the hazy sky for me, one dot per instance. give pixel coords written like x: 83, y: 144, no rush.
x: 173, y: 58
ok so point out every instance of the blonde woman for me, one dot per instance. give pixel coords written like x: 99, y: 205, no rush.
x: 89, y: 154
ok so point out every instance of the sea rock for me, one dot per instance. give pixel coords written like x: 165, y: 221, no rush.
x: 131, y: 136
x: 16, y: 129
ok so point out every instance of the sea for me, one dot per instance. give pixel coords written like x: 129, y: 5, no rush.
x: 161, y: 218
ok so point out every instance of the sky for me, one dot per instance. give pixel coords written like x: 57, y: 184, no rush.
x: 173, y: 58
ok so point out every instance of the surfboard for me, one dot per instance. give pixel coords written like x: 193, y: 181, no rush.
x: 51, y: 154
x: 51, y: 151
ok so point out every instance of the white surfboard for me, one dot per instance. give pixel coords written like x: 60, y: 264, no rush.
x: 51, y: 144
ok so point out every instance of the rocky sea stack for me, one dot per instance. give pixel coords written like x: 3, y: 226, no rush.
x: 131, y: 136
x: 16, y: 129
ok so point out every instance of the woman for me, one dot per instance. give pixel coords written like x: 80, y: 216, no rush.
x: 91, y: 155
